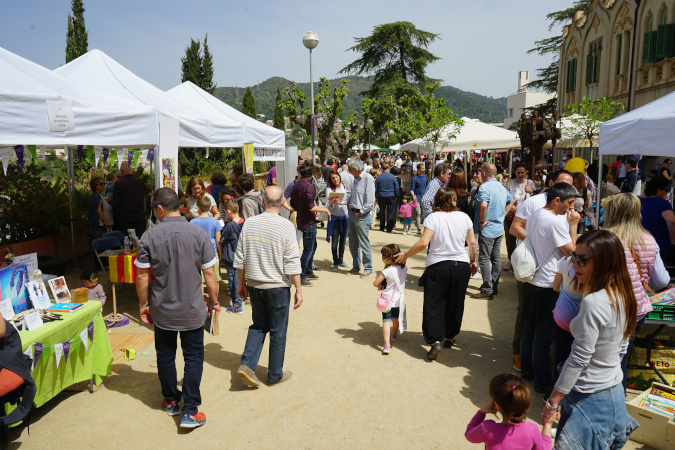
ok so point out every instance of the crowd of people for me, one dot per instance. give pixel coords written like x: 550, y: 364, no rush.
x: 587, y: 297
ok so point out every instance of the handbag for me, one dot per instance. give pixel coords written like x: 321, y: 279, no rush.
x: 524, y: 260
x: 642, y: 278
x: 384, y: 303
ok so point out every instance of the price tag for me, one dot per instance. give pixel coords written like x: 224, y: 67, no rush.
x: 33, y: 321
x: 6, y: 309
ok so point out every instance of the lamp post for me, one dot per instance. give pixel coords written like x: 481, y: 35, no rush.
x: 310, y: 40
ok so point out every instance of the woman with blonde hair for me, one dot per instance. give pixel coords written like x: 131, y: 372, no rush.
x: 622, y: 217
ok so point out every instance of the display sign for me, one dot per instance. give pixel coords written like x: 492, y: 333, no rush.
x: 247, y: 157
x: 60, y: 115
x: 13, y: 282
x: 269, y: 154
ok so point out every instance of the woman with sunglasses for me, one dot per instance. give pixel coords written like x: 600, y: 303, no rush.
x: 622, y: 216
x: 100, y: 211
x: 588, y: 398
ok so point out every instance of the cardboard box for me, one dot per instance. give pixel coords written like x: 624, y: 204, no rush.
x: 656, y: 430
x: 80, y: 295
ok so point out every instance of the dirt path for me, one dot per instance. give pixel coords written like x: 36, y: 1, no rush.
x: 344, y: 393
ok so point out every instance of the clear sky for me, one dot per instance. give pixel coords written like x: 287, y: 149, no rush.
x: 483, y: 42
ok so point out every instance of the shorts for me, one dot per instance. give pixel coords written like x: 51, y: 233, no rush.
x: 387, y: 316
x: 216, y: 268
x: 406, y: 221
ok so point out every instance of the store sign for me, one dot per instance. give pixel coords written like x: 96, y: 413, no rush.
x: 60, y: 115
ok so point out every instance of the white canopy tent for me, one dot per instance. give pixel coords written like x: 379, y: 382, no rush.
x: 365, y: 147
x: 196, y: 127
x: 99, y: 119
x: 260, y: 134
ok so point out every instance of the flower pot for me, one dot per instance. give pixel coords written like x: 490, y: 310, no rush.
x: 42, y: 246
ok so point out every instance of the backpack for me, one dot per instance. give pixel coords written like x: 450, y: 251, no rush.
x: 524, y: 260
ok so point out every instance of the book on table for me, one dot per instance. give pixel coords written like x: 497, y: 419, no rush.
x: 66, y: 307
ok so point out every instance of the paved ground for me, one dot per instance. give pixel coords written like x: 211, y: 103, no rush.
x: 344, y: 393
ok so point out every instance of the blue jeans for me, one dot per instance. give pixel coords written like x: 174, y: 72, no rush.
x: 233, y: 285
x: 308, y: 251
x: 338, y: 242
x: 192, y: 344
x: 490, y: 261
x: 538, y: 330
x: 359, y: 228
x: 626, y: 357
x: 269, y: 309
x: 594, y: 421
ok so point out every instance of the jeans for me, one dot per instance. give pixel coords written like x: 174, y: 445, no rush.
x: 489, y: 260
x: 535, y: 343
x: 338, y: 242
x: 445, y: 286
x: 358, y: 241
x: 387, y: 213
x: 594, y: 421
x: 192, y: 344
x: 308, y: 251
x: 510, y: 240
x: 518, y: 325
x: 562, y: 342
x: 626, y: 357
x: 233, y: 285
x: 417, y: 215
x: 269, y: 310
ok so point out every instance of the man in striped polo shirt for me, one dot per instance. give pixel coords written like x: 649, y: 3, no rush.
x: 267, y: 262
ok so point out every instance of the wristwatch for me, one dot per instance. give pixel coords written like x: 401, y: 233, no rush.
x: 551, y: 407
x: 143, y: 306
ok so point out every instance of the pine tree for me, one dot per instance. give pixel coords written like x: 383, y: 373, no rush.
x: 279, y: 122
x: 207, y: 69
x: 76, y: 37
x: 192, y: 63
x: 248, y: 104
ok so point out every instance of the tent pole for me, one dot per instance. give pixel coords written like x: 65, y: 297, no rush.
x: 597, y: 194
x: 510, y: 163
x: 70, y: 172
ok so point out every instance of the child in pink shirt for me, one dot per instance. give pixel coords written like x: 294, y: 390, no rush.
x: 406, y: 213
x: 511, y: 398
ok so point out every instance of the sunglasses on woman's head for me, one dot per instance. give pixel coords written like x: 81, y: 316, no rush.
x: 579, y: 259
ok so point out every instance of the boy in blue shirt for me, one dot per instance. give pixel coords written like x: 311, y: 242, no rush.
x: 212, y: 228
x: 229, y: 241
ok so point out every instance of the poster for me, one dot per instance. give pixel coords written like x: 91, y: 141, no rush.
x: 59, y: 289
x: 37, y: 292
x: 168, y: 173
x: 13, y: 280
x: 248, y: 157
x: 31, y: 261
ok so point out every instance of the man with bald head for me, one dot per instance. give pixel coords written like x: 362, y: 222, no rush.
x: 129, y: 201
x: 493, y: 202
x: 268, y: 262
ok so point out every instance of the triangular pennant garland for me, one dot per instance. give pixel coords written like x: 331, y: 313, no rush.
x: 142, y: 157
x: 38, y: 352
x: 106, y: 152
x: 5, y: 154
x: 84, y: 337
x: 90, y: 329
x: 130, y: 157
x: 29, y: 353
x: 120, y: 157
x: 151, y: 155
x: 19, y: 154
x: 58, y: 351
x: 33, y: 151
x: 79, y: 151
x: 43, y: 152
x: 97, y: 152
x: 66, y: 350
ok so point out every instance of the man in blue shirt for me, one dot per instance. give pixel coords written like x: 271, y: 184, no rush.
x: 386, y: 191
x: 492, y: 203
x: 419, y: 185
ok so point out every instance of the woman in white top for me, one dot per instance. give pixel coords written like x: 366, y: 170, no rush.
x: 448, y: 268
x: 338, y: 225
x: 520, y: 188
x: 196, y: 190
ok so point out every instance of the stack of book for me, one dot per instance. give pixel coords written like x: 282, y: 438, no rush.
x: 660, y: 401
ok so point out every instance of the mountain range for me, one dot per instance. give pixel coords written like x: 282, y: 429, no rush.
x: 465, y: 104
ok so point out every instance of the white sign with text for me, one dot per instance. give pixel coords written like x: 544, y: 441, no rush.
x: 60, y: 115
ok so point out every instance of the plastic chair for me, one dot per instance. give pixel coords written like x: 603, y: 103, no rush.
x: 99, y: 246
x: 118, y: 234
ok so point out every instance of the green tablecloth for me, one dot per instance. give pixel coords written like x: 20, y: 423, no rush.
x: 82, y: 362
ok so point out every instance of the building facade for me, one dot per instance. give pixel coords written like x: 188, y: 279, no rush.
x: 523, y: 98
x: 599, y: 44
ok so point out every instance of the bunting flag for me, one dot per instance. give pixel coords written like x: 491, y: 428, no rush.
x: 43, y: 152
x: 151, y: 155
x: 38, y: 352
x: 58, y: 351
x: 142, y: 157
x: 19, y: 154
x: 84, y: 337
x: 120, y: 157
x: 97, y: 154
x: 5, y: 154
x: 130, y: 157
x: 79, y: 151
x: 33, y: 151
x: 106, y: 152
x: 90, y: 329
x: 29, y: 353
x: 90, y: 153
x: 66, y: 349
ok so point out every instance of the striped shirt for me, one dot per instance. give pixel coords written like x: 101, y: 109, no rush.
x: 268, y: 251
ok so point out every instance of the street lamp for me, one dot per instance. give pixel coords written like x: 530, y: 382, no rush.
x: 310, y: 40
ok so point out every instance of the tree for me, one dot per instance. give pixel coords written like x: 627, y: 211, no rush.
x: 76, y: 37
x: 248, y: 104
x: 550, y: 46
x: 206, y: 81
x: 192, y: 63
x: 328, y: 106
x: 279, y: 122
x: 586, y: 116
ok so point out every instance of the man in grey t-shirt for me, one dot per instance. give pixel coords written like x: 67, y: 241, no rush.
x: 178, y: 254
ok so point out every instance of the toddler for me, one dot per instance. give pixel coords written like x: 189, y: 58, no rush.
x: 109, y: 185
x: 511, y: 398
x: 212, y: 228
x: 229, y: 242
x: 392, y: 283
x: 406, y: 213
x: 90, y: 281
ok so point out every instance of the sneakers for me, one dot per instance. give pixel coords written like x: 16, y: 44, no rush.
x: 335, y: 267
x: 354, y: 271
x: 516, y: 362
x: 343, y: 264
x: 193, y: 420
x: 385, y: 350
x: 508, y: 268
x: 172, y: 408
x: 235, y: 310
x: 366, y: 274
x: 306, y: 283
x: 482, y: 296
x: 404, y: 233
x: 247, y: 375
x: 313, y: 276
x: 285, y: 377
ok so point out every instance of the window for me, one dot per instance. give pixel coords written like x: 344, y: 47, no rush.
x: 626, y: 51
x: 593, y: 62
x: 510, y: 112
x: 663, y: 16
x: 649, y: 44
x: 619, y: 48
x: 571, y: 80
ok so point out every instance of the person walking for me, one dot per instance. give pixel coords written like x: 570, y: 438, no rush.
x: 361, y: 204
x: 493, y: 202
x: 129, y: 202
x: 268, y: 262
x: 521, y: 188
x: 338, y: 225
x: 174, y: 300
x: 440, y: 178
x: 418, y: 186
x: 386, y: 192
